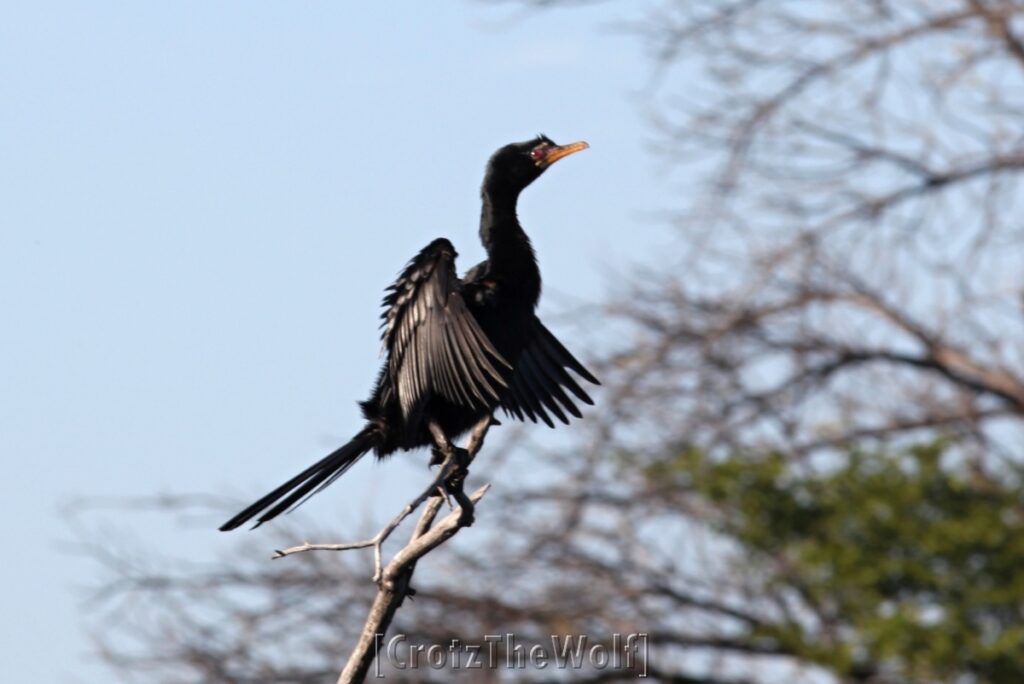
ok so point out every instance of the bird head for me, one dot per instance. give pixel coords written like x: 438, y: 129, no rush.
x: 516, y: 165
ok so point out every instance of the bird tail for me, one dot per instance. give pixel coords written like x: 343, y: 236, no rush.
x: 310, y: 481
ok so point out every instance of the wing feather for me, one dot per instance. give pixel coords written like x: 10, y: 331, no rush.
x: 548, y: 376
x: 434, y: 344
x: 541, y: 377
x: 540, y: 390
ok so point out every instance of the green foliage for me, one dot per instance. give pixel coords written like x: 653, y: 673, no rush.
x: 917, y: 563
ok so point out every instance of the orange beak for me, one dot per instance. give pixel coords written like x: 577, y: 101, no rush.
x: 560, y: 152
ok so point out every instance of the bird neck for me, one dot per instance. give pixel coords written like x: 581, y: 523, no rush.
x: 509, y: 252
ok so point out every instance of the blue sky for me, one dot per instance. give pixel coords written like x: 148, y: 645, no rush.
x: 201, y: 205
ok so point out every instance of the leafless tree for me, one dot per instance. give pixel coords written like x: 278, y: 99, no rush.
x: 848, y: 275
x: 851, y: 267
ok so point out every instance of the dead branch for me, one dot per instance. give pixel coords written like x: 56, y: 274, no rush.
x: 393, y: 579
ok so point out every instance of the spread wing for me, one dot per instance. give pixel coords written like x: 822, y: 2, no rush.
x: 540, y: 380
x: 433, y: 342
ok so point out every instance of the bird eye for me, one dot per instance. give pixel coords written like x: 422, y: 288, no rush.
x: 539, y: 152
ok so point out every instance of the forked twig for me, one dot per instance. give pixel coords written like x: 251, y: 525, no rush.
x: 377, y: 541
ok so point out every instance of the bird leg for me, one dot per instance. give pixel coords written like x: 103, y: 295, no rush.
x: 448, y: 455
x: 443, y: 446
x: 456, y: 461
x: 476, y: 436
x: 443, y: 493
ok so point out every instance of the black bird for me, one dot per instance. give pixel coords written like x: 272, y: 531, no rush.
x: 458, y: 349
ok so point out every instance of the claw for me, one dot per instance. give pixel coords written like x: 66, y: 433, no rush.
x: 443, y: 493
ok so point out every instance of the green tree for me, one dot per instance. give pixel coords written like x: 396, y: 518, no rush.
x: 912, y: 563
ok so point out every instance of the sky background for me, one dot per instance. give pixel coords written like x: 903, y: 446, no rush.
x: 200, y: 206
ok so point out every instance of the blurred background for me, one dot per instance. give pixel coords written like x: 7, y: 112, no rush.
x: 793, y: 254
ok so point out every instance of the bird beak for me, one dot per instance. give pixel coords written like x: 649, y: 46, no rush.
x: 560, y: 152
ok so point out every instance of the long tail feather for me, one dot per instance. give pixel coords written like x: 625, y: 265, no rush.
x: 308, y: 482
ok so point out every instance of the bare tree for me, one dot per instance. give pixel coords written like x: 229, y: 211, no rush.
x: 752, y: 493
x: 850, y: 269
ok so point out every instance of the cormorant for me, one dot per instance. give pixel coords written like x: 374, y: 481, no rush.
x: 458, y: 349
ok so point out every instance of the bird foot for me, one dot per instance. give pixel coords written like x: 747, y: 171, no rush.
x: 468, y: 516
x: 437, y: 457
x: 459, y: 468
x: 459, y: 471
x: 442, y: 492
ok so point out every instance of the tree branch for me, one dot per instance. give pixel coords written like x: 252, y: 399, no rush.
x: 394, y: 584
x: 393, y: 580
